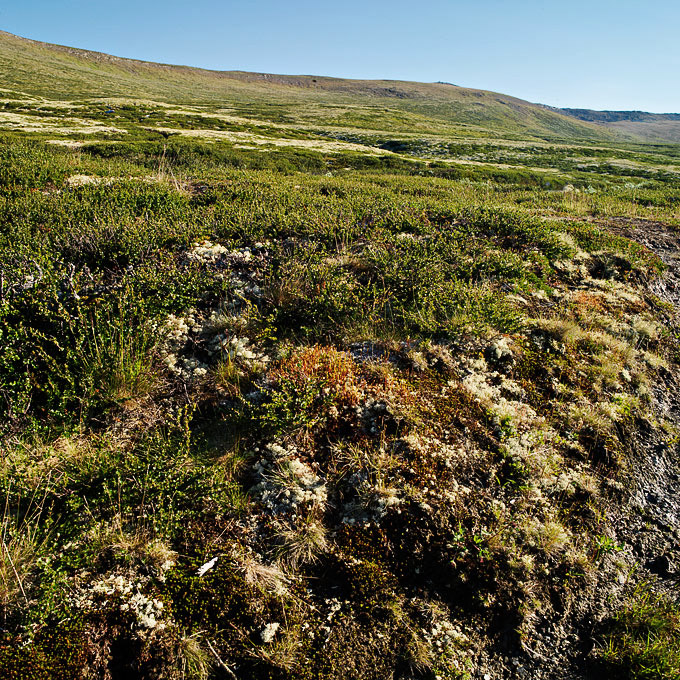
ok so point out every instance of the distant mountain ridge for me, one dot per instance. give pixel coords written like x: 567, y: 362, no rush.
x: 617, y: 116
x: 651, y: 127
x: 67, y: 73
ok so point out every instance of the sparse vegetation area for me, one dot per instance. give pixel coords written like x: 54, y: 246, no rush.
x: 306, y: 410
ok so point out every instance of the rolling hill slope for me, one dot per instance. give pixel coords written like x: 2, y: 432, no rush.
x: 29, y: 67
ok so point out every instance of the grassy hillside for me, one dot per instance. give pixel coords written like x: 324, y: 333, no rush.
x: 304, y: 382
x: 64, y: 73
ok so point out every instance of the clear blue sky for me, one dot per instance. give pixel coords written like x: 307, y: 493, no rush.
x: 598, y: 54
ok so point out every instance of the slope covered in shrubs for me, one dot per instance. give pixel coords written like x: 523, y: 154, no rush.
x: 297, y: 414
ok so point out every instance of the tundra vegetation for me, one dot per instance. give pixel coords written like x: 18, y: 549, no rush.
x: 291, y: 398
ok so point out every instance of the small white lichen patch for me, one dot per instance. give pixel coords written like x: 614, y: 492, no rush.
x: 286, y: 484
x: 502, y: 396
x: 269, y: 632
x: 207, y: 252
x: 83, y: 180
x: 121, y: 593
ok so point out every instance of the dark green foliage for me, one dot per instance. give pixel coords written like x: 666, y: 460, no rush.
x: 178, y: 157
x: 55, y: 653
x: 220, y: 601
x: 64, y: 357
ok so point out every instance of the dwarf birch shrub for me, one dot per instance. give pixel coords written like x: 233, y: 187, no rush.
x: 76, y: 355
x: 26, y: 165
